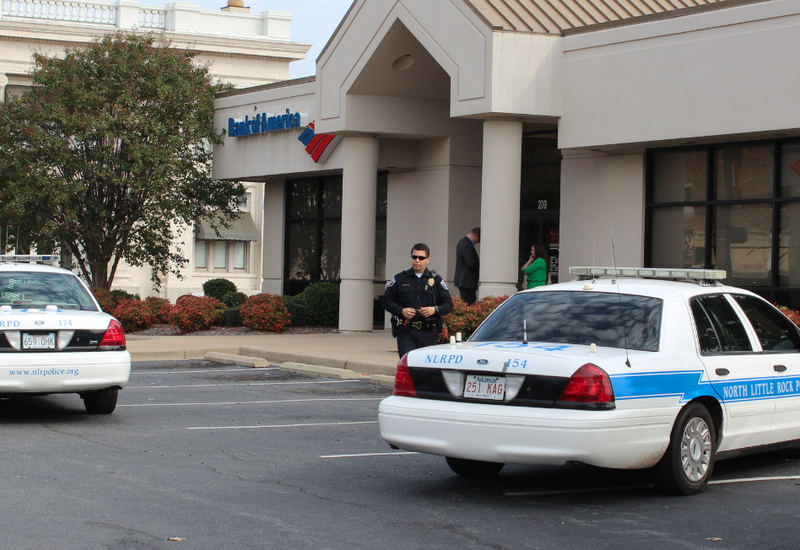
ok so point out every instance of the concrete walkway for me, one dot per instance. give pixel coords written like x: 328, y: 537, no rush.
x: 368, y: 355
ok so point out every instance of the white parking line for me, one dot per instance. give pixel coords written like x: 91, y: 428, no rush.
x: 749, y: 479
x: 370, y: 454
x: 193, y: 371
x: 632, y: 487
x: 273, y: 402
x: 282, y: 425
x: 241, y: 384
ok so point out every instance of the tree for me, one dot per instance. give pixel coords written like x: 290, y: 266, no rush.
x: 109, y: 155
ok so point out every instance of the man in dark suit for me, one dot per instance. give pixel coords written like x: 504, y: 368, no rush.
x: 468, y: 266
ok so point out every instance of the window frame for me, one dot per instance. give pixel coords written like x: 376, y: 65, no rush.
x: 230, y: 247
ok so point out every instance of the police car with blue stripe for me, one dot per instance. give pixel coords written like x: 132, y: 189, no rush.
x: 54, y: 338
x: 625, y: 368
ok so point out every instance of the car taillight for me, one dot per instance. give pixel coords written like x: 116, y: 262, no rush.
x: 114, y: 338
x: 589, y: 384
x: 403, y: 384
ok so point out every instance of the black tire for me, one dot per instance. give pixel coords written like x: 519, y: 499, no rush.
x: 100, y: 401
x: 473, y: 468
x: 688, y: 463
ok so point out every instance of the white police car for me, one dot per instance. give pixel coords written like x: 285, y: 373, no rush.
x: 54, y: 338
x: 615, y: 370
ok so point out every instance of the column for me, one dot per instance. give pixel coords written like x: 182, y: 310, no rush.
x: 500, y: 189
x: 3, y: 84
x: 359, y: 192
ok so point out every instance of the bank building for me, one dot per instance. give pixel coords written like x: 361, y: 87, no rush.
x: 665, y: 132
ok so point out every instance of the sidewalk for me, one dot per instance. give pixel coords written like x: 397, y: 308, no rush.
x: 368, y: 353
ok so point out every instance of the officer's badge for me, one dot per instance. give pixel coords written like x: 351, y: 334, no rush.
x: 431, y: 281
x: 390, y: 283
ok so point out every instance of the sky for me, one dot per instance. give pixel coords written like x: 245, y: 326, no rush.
x: 312, y: 21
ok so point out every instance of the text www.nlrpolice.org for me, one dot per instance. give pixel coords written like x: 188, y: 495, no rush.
x: 45, y: 372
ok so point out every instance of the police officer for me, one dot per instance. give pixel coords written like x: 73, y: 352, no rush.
x: 417, y: 299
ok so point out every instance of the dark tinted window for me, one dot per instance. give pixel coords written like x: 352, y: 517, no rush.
x: 728, y: 330
x: 774, y: 330
x: 610, y: 320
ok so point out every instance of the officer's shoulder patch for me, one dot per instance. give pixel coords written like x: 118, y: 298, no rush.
x: 390, y: 283
x: 444, y: 285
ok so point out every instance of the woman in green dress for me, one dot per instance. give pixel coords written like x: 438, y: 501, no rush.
x: 535, y: 269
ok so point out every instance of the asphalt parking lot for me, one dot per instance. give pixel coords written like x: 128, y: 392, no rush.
x: 220, y: 456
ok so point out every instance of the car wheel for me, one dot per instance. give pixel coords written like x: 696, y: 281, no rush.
x: 473, y: 468
x: 687, y: 465
x: 100, y: 401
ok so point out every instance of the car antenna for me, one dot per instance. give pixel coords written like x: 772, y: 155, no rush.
x: 619, y: 297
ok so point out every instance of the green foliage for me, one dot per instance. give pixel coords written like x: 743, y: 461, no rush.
x: 193, y: 313
x: 233, y: 317
x: 300, y: 315
x: 322, y: 303
x: 109, y: 155
x: 265, y: 312
x: 119, y: 294
x: 466, y: 318
x: 233, y: 299
x: 217, y: 288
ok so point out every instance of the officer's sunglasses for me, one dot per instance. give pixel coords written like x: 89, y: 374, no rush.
x: 420, y: 258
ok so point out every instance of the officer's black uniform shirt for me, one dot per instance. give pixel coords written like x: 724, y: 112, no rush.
x: 408, y: 290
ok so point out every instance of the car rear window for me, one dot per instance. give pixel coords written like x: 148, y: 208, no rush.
x: 606, y: 319
x: 26, y: 290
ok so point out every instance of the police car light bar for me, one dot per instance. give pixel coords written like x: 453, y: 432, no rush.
x: 50, y: 259
x: 648, y: 272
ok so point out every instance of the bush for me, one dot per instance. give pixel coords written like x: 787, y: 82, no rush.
x: 193, y: 313
x: 159, y: 307
x: 233, y: 317
x: 217, y: 288
x: 135, y: 314
x: 793, y: 315
x: 234, y: 298
x: 299, y: 312
x: 322, y: 301
x: 265, y: 312
x: 466, y: 318
x: 118, y: 294
x: 104, y: 298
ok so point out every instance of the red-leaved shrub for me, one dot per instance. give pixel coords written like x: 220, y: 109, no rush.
x: 134, y: 314
x: 159, y: 307
x: 794, y: 316
x: 466, y: 318
x: 193, y: 313
x: 265, y: 312
x: 105, y: 299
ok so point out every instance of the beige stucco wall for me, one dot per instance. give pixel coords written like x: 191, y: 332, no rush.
x: 725, y: 74
x: 602, y: 197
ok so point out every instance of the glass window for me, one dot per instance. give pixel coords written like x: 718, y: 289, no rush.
x: 709, y: 341
x: 200, y: 254
x: 239, y: 254
x: 605, y: 319
x: 35, y: 289
x: 220, y: 254
x: 743, y: 243
x: 301, y: 199
x: 301, y: 250
x: 680, y: 176
x: 678, y: 236
x: 790, y: 170
x: 744, y: 172
x: 728, y: 328
x: 774, y: 330
x: 789, y: 245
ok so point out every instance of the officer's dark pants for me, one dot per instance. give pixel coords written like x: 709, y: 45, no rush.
x: 412, y: 339
x: 469, y: 295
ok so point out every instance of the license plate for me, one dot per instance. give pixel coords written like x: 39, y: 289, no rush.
x: 38, y: 341
x: 479, y: 386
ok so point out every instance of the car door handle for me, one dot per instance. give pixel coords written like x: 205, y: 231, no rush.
x: 722, y: 372
x: 779, y: 368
